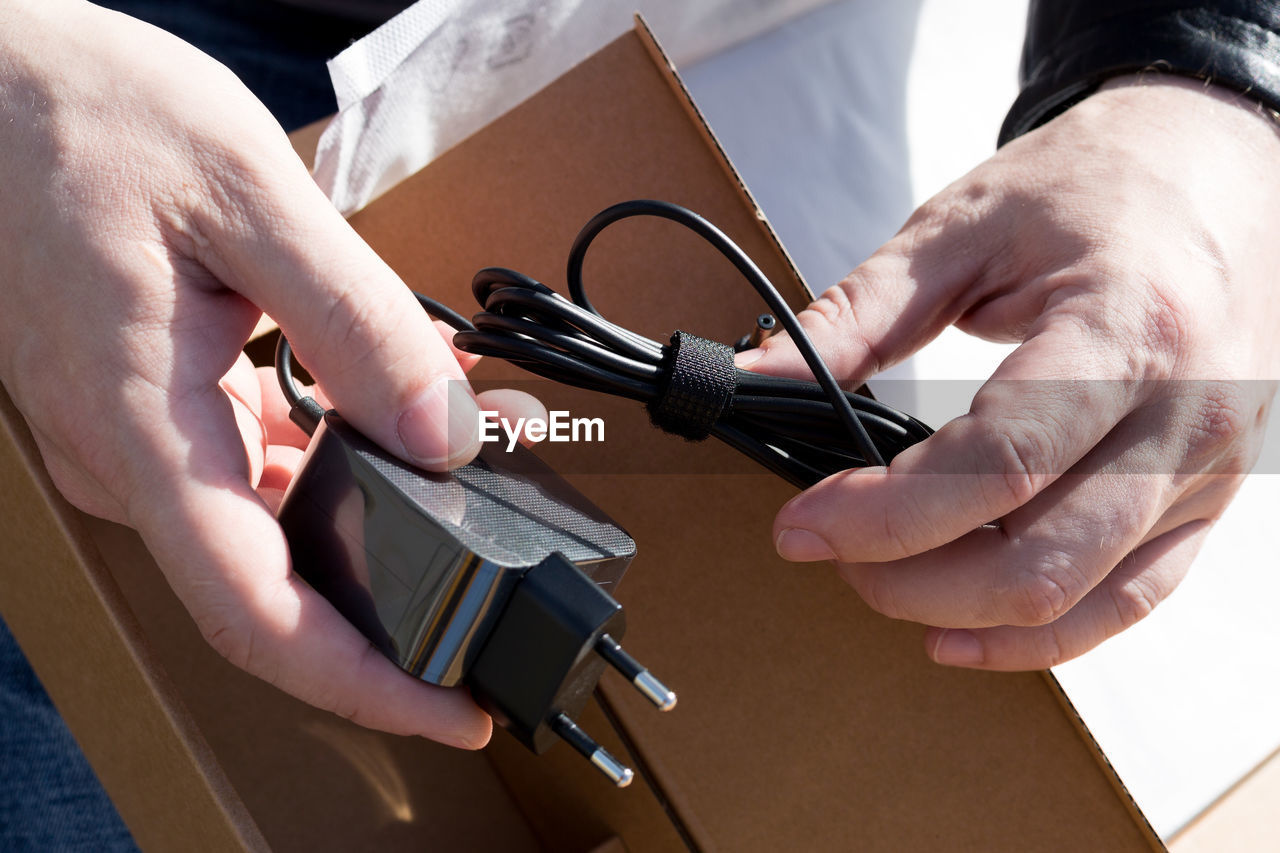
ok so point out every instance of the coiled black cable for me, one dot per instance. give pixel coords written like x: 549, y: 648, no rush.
x: 804, y: 431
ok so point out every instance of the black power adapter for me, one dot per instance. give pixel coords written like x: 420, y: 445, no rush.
x: 495, y: 576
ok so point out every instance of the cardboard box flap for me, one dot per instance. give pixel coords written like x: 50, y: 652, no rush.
x: 1243, y: 818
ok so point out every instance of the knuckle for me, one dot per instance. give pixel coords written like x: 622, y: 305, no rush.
x: 895, y: 527
x: 237, y: 640
x: 832, y: 313
x: 353, y: 712
x: 1050, y: 648
x: 876, y: 589
x: 234, y: 198
x: 177, y: 212
x: 228, y: 627
x: 903, y: 523
x: 832, y: 308
x: 350, y: 326
x: 1015, y: 469
x: 231, y: 640
x: 1221, y: 420
x: 958, y: 208
x: 955, y: 216
x: 1164, y: 327
x: 1042, y: 593
x: 1019, y: 461
x: 241, y: 191
x: 353, y: 706
x: 1133, y: 602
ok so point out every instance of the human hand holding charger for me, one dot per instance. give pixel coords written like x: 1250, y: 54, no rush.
x: 495, y: 576
x: 144, y: 233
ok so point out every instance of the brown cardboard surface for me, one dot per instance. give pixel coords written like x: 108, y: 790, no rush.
x: 1246, y: 819
x: 804, y: 718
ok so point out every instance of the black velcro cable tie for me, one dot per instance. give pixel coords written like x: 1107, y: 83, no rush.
x: 697, y: 386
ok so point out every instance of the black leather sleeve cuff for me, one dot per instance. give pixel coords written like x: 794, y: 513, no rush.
x: 1073, y: 47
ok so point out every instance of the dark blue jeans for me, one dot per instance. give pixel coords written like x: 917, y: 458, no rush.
x: 49, y: 796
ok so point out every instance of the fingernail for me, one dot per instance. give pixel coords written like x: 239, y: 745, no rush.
x: 746, y: 358
x: 472, y: 742
x: 802, y: 546
x: 441, y: 425
x: 957, y: 647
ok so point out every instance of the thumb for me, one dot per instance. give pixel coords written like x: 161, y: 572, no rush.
x: 894, y: 303
x: 352, y: 322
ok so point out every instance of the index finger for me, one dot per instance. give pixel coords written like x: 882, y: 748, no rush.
x: 1020, y: 435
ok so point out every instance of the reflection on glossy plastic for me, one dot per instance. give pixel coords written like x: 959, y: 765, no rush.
x: 422, y: 563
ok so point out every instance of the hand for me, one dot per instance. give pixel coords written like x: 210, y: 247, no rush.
x: 152, y: 208
x: 1129, y: 246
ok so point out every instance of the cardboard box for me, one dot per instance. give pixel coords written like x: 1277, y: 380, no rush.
x: 805, y: 719
x: 1244, y: 818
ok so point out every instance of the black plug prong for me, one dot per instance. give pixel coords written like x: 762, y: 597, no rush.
x: 653, y: 689
x: 620, y: 774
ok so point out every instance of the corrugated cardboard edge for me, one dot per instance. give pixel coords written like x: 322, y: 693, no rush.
x: 80, y: 636
x: 663, y: 61
x: 1108, y: 769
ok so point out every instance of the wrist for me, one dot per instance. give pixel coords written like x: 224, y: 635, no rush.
x: 1239, y: 103
x: 1214, y: 127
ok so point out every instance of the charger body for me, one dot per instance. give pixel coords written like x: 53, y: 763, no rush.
x: 425, y: 564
